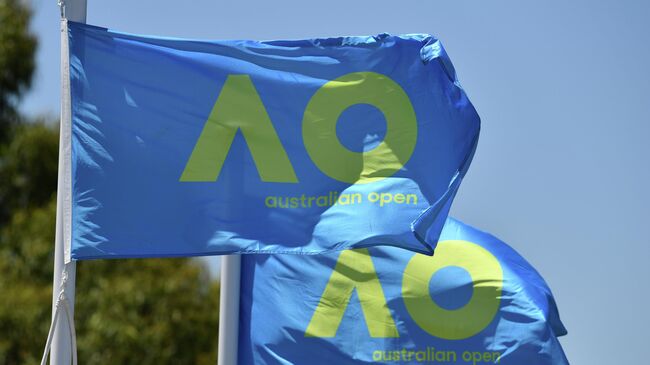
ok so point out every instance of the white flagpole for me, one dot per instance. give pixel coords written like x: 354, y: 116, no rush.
x: 231, y: 274
x: 229, y: 310
x: 64, y: 274
x: 75, y: 10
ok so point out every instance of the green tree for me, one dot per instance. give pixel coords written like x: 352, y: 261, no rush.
x: 17, y: 47
x: 28, y: 168
x: 144, y: 311
x: 140, y: 311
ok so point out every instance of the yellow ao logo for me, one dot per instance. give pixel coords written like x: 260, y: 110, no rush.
x: 355, y: 271
x: 239, y: 108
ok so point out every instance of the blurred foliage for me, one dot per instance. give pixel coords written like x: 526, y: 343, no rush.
x: 139, y: 311
x: 28, y: 168
x: 144, y: 311
x: 17, y: 48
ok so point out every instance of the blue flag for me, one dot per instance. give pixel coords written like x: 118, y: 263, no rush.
x: 475, y: 301
x: 183, y: 147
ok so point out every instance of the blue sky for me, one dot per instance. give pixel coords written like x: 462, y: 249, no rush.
x: 563, y: 88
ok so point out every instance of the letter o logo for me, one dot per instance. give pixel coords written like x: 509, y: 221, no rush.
x: 473, y: 317
x: 322, y: 114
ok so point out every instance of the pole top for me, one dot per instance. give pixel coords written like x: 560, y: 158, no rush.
x: 74, y: 10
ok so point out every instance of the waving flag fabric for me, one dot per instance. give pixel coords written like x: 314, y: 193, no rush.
x: 182, y: 147
x: 475, y: 301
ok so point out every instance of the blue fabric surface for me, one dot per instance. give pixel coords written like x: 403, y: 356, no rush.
x: 282, y: 294
x: 141, y: 107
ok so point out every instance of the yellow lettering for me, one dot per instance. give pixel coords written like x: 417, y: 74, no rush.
x: 270, y: 202
x: 322, y: 114
x: 354, y: 270
x: 473, y: 317
x: 238, y: 108
x: 411, y: 199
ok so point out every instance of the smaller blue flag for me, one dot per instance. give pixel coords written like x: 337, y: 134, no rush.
x: 476, y: 301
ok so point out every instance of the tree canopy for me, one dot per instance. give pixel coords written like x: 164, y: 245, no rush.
x: 17, y: 48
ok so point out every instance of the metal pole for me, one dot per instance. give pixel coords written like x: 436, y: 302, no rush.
x: 61, y: 352
x: 75, y: 10
x: 229, y: 310
x: 231, y: 265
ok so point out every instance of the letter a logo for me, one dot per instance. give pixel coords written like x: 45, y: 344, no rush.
x: 354, y: 270
x: 238, y: 107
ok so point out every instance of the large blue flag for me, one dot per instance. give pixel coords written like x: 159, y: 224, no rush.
x: 475, y: 301
x: 183, y: 147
